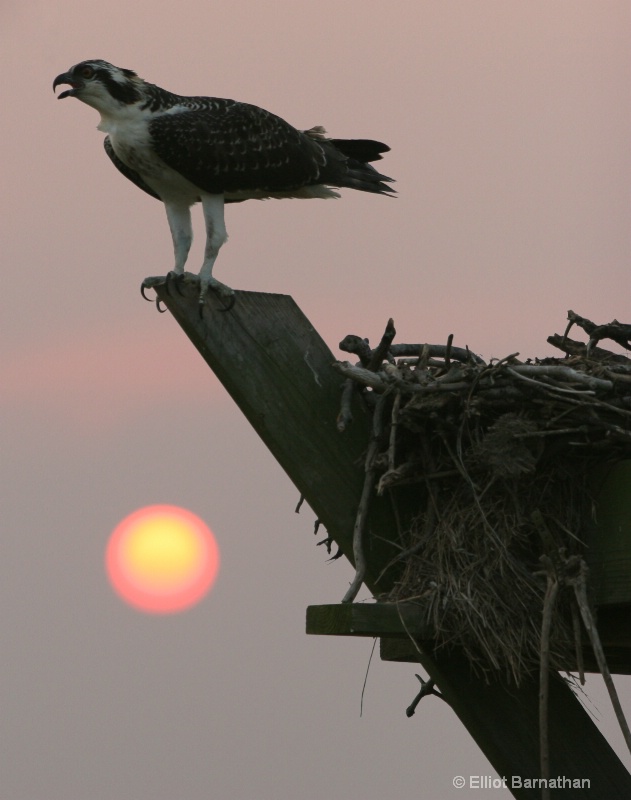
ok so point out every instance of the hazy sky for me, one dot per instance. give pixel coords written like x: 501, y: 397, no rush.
x: 509, y: 124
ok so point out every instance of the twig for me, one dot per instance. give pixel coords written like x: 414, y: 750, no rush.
x: 436, y: 351
x: 361, y: 702
x: 509, y: 359
x: 580, y: 589
x: 620, y: 334
x: 556, y: 432
x: 411, y: 472
x: 358, y: 346
x: 450, y: 341
x: 563, y: 373
x: 381, y: 351
x: 574, y: 348
x: 361, y: 375
x: 548, y: 387
x: 423, y: 357
x: 618, y: 374
x: 362, y: 511
x: 427, y: 687
x: 393, y: 431
x: 578, y: 644
x: 345, y: 417
x: 614, y: 330
x: 582, y: 322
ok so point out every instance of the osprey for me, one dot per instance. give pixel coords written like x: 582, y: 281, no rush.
x: 185, y: 150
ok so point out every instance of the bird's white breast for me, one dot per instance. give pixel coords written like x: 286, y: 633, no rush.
x: 130, y: 138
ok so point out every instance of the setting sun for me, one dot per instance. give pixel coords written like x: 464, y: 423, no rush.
x: 162, y: 559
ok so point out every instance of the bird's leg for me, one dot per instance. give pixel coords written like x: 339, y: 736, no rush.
x: 179, y: 217
x: 216, y: 236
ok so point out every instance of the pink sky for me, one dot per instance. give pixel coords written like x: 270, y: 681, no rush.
x: 509, y: 124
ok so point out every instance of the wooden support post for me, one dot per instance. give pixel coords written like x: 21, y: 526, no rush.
x: 278, y: 370
x: 609, y: 538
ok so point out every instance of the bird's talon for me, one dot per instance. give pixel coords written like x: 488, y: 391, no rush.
x: 142, y: 292
x: 160, y: 310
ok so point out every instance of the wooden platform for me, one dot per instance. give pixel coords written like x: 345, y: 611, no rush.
x: 399, y: 627
x: 278, y: 370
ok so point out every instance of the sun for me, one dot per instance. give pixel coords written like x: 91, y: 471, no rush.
x: 162, y: 559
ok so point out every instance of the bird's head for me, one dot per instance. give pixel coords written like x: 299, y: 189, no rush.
x: 101, y: 85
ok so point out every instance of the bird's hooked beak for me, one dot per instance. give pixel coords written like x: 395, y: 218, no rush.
x: 71, y: 80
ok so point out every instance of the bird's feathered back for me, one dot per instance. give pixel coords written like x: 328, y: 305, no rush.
x: 227, y: 147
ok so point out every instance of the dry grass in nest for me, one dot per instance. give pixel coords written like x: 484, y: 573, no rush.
x: 473, y: 553
x: 501, y: 454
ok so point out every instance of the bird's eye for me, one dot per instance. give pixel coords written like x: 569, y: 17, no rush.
x: 87, y: 72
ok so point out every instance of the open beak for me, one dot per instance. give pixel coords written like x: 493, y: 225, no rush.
x: 65, y: 77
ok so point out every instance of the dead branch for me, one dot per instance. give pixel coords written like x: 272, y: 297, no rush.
x: 345, y: 417
x: 427, y: 687
x: 614, y: 330
x: 381, y: 351
x: 362, y: 511
x: 579, y: 582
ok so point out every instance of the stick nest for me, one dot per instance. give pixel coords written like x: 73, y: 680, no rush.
x: 502, y: 455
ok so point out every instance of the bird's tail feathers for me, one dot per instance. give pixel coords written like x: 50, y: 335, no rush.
x: 346, y: 163
x: 361, y: 149
x: 366, y: 179
x: 355, y: 173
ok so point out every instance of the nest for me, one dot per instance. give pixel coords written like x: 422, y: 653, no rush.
x: 501, y: 455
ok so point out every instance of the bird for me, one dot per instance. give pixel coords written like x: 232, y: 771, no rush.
x: 188, y: 149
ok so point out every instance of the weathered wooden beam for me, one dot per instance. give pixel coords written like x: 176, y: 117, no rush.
x: 391, y: 621
x: 278, y: 371
x: 614, y: 626
x: 577, y: 748
x: 609, y: 537
x: 368, y: 619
